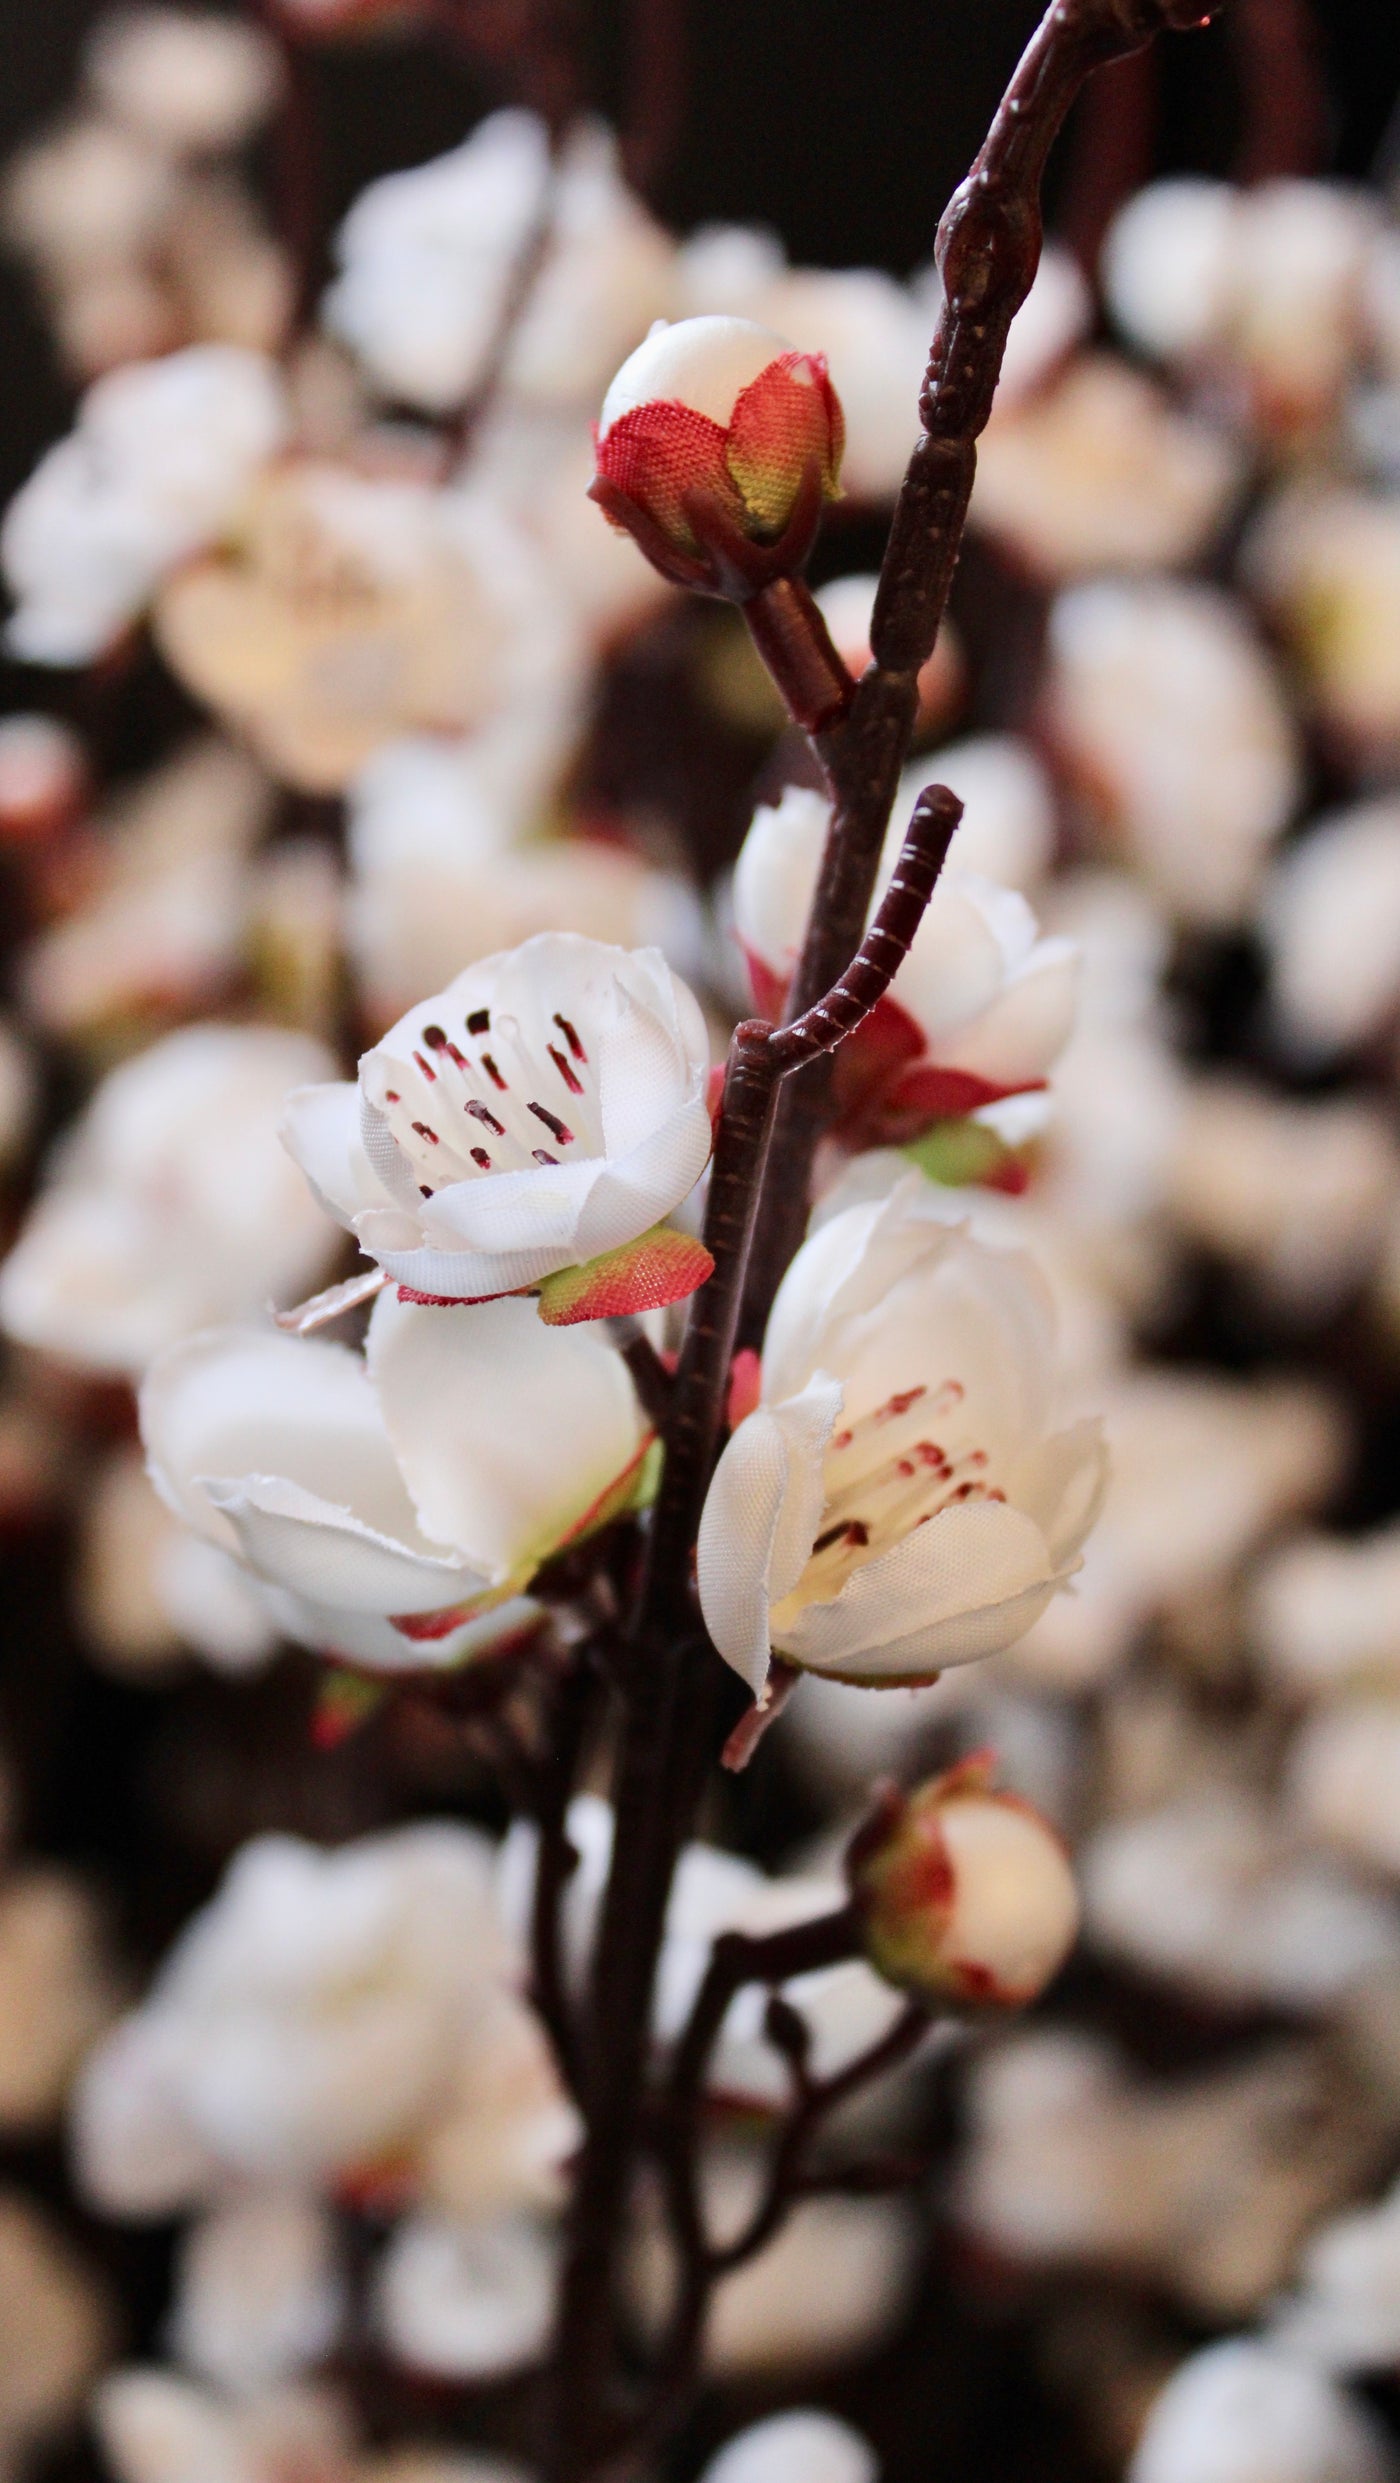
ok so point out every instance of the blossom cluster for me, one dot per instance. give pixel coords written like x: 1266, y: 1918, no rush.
x: 358, y: 1094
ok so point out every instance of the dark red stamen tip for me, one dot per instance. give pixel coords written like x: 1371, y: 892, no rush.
x: 541, y: 1157
x: 479, y: 1023
x: 557, y: 1128
x: 573, y: 1083
x: 423, y: 1131
x: 435, y: 1038
x: 480, y: 1156
x: 492, y: 1071
x: 483, y: 1112
x: 570, y: 1035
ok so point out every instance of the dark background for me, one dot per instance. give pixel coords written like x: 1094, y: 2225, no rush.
x: 844, y: 123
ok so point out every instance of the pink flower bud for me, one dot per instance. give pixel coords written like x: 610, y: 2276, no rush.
x: 965, y: 1892
x: 717, y: 446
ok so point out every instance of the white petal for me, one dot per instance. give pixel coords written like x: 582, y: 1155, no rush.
x: 290, y: 1436
x: 467, y: 2300
x: 506, y: 1431
x: 324, y: 1553
x: 321, y: 1131
x: 801, y: 2447
x: 1026, y: 1027
x: 1061, y: 1483
x: 967, y: 1583
x: 704, y: 363
x: 762, y: 1511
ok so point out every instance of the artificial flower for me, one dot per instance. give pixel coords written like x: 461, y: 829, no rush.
x: 170, y: 1205
x: 1206, y: 1894
x: 428, y: 258
x: 159, y: 463
x: 717, y: 445
x: 1172, y: 725
x: 467, y: 2301
x: 43, y: 778
x: 979, y: 1009
x: 309, y: 2029
x: 393, y: 1508
x: 186, y: 81
x: 963, y: 1891
x: 1201, y: 2186
x: 1246, y: 2410
x: 1099, y: 472
x: 545, y: 1110
x: 802, y: 2446
x: 896, y: 1502
x: 156, y: 2427
x: 1324, y: 560
x: 57, y: 2323
x: 1324, y: 1611
x: 347, y: 608
x: 1296, y: 1192
x: 259, y: 2291
x: 1261, y: 288
x: 1331, y: 921
x: 1344, y: 2312
x: 442, y: 874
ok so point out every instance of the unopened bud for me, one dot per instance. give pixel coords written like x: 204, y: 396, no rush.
x: 965, y: 1893
x: 717, y: 447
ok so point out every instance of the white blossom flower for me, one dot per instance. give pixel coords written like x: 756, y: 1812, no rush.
x: 157, y: 2428
x: 1202, y: 1468
x: 896, y: 1503
x: 1247, y: 2411
x: 1324, y: 560
x: 441, y: 876
x: 1331, y: 920
x: 467, y: 2301
x: 348, y: 606
x: 309, y: 2028
x: 1344, y: 1779
x: 1345, y: 2310
x: 547, y: 1108
x: 847, y: 2007
x: 427, y: 258
x: 185, y: 80
x: 982, y: 1005
x: 1296, y: 1192
x: 1324, y: 1611
x: 1099, y: 471
x: 259, y: 2293
x: 803, y: 2446
x: 393, y: 1508
x: 1207, y: 1893
x: 162, y: 455
x: 170, y: 1204
x: 1263, y: 285
x: 1173, y: 725
x: 1202, y: 2185
x: 43, y: 777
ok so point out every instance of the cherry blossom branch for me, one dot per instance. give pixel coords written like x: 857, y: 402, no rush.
x: 988, y: 250
x: 735, y: 1961
x: 667, y: 1738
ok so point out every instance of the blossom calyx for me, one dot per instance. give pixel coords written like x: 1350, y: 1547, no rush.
x: 717, y: 447
x: 964, y: 1892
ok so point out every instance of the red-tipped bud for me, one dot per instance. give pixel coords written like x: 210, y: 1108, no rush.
x: 717, y: 447
x: 965, y: 1893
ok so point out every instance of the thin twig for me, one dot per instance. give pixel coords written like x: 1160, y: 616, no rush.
x: 988, y: 250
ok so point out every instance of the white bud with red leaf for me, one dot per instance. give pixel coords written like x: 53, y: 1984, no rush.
x: 717, y: 447
x: 964, y: 1892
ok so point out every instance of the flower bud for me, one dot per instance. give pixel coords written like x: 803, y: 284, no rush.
x: 965, y: 1893
x: 717, y: 446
